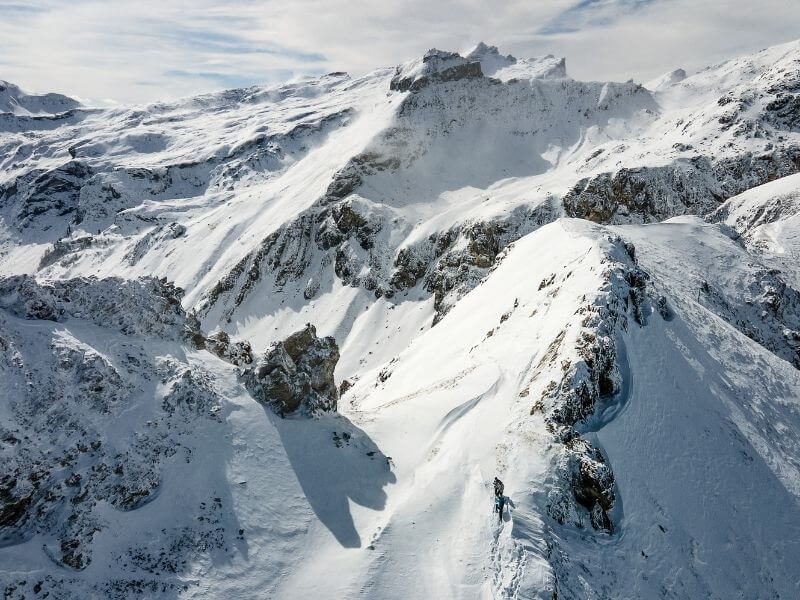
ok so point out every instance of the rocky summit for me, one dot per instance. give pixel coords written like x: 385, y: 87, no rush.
x: 277, y: 342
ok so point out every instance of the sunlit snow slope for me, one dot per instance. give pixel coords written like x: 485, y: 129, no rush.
x: 587, y: 289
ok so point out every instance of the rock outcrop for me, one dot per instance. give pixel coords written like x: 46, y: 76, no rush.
x: 435, y: 66
x: 694, y: 187
x: 146, y: 306
x: 296, y: 374
x: 238, y: 353
x: 592, y: 378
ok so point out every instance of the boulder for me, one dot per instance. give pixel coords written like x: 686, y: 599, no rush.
x: 296, y: 373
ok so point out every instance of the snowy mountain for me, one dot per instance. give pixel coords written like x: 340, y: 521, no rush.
x: 277, y: 342
x: 13, y: 100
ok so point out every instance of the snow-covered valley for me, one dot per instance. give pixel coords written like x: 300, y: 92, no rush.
x: 587, y: 289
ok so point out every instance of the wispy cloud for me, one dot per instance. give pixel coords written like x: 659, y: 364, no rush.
x: 151, y: 49
x: 590, y: 13
x: 207, y: 40
x: 135, y: 51
x: 227, y: 80
x: 11, y: 9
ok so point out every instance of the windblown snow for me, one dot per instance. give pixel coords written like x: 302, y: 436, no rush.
x: 276, y: 342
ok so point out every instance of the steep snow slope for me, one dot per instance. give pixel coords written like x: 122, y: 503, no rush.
x: 634, y: 382
x: 682, y: 497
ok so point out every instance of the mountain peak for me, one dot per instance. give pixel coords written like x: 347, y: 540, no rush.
x: 490, y: 58
x: 482, y: 50
x: 14, y: 100
x: 482, y: 60
x: 435, y: 65
x: 666, y: 80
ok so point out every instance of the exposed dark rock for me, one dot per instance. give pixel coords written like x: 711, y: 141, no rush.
x: 341, y: 222
x: 239, y: 353
x: 437, y: 66
x: 697, y: 187
x: 409, y: 268
x: 62, y: 248
x: 594, y: 380
x: 592, y: 483
x: 664, y: 309
x: 784, y: 111
x: 344, y: 386
x: 311, y: 289
x: 38, y: 191
x: 24, y: 297
x: 296, y: 373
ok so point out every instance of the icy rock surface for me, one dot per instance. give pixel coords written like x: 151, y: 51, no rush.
x: 694, y: 187
x: 238, y: 353
x: 436, y: 66
x: 144, y: 307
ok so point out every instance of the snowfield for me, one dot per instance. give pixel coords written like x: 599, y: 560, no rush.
x: 587, y: 289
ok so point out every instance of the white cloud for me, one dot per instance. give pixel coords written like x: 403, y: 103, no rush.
x: 149, y: 50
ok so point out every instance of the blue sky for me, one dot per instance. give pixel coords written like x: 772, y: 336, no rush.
x: 108, y: 51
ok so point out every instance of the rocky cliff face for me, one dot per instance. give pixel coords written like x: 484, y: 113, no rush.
x: 146, y: 307
x: 435, y: 67
x: 694, y: 187
x: 591, y: 381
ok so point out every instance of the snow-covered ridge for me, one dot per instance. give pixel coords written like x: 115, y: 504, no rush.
x: 494, y: 64
x: 14, y: 100
x: 666, y: 80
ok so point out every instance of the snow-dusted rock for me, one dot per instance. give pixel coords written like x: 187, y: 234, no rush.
x: 92, y: 414
x: 146, y: 307
x: 238, y: 353
x: 694, y: 187
x: 435, y: 66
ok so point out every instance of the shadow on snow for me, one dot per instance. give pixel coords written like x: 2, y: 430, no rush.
x: 335, y: 463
